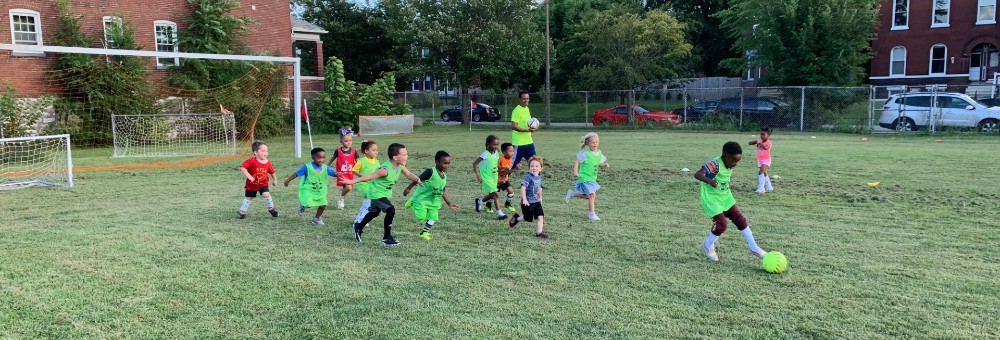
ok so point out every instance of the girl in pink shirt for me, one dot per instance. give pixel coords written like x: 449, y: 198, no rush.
x: 763, y: 160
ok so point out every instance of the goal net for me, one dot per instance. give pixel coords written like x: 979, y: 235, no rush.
x: 385, y: 125
x: 171, y: 135
x: 35, y: 161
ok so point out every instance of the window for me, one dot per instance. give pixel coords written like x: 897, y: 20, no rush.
x: 918, y: 101
x: 952, y: 103
x: 938, y: 55
x: 897, y: 61
x: 109, y: 24
x: 942, y: 9
x: 901, y: 13
x: 166, y: 41
x: 25, y: 27
x: 987, y: 12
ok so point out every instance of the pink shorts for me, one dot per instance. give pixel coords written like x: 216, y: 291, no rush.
x: 762, y: 162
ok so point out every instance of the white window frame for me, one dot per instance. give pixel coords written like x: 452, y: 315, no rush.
x: 27, y: 13
x: 947, y: 18
x: 979, y: 12
x: 892, y: 61
x: 108, y: 43
x: 905, y: 26
x: 156, y: 43
x: 944, y: 60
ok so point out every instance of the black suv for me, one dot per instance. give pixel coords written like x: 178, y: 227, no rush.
x: 763, y: 111
x: 481, y: 112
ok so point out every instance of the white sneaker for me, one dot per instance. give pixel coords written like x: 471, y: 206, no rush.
x: 710, y: 253
x: 569, y: 195
x: 759, y: 254
x: 317, y: 220
x: 593, y: 216
x: 340, y: 203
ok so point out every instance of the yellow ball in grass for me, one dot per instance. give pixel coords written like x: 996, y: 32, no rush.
x: 774, y: 262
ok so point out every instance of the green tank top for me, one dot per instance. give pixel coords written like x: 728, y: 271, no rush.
x: 717, y: 200
x: 488, y: 168
x: 382, y: 186
x: 313, y: 186
x: 367, y: 168
x: 588, y: 168
x: 431, y: 193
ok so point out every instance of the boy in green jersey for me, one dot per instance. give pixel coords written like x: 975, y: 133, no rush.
x: 312, y: 189
x: 380, y: 190
x: 426, y: 201
x: 718, y: 201
x: 485, y: 167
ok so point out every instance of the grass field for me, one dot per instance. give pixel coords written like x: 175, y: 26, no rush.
x: 160, y: 253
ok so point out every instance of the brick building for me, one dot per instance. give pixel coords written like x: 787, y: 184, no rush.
x: 922, y: 42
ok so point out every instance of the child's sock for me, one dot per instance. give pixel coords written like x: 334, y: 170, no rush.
x: 767, y: 183
x: 270, y: 203
x: 428, y: 226
x: 509, y: 197
x: 500, y: 213
x: 710, y: 242
x: 245, y: 206
x: 748, y: 235
x: 363, y: 210
x: 760, y: 182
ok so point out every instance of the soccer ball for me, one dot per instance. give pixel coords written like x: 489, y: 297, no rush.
x: 533, y: 123
x: 774, y: 262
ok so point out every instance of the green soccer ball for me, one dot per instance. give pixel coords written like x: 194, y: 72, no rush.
x: 774, y: 262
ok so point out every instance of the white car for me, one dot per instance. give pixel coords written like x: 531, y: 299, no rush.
x: 911, y: 111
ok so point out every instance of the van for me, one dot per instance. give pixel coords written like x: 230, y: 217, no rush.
x: 912, y: 111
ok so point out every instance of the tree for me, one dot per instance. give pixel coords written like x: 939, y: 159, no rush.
x: 620, y: 49
x: 802, y: 42
x: 211, y: 30
x: 357, y: 36
x: 711, y: 42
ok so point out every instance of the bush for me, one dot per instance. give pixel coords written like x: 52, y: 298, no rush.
x: 18, y: 116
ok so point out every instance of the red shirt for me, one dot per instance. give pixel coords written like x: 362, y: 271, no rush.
x: 259, y: 172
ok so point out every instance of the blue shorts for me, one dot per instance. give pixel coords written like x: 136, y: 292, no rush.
x: 586, y: 188
x: 522, y: 152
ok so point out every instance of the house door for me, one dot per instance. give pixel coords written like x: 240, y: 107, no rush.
x: 984, y: 60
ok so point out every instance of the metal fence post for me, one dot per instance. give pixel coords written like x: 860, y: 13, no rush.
x: 802, y: 110
x: 741, y: 108
x: 684, y: 93
x: 432, y: 107
x: 871, y: 106
x: 586, y: 105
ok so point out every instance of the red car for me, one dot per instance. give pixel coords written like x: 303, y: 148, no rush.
x: 618, y: 115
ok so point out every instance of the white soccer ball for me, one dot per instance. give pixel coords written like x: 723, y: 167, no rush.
x: 533, y: 123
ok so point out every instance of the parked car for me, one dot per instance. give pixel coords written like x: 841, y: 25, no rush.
x: 695, y: 111
x: 989, y: 102
x: 618, y: 115
x: 911, y: 111
x: 761, y: 110
x: 481, y: 112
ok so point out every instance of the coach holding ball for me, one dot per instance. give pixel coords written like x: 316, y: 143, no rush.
x: 524, y: 146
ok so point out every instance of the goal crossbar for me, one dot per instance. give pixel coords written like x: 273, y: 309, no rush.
x: 296, y: 72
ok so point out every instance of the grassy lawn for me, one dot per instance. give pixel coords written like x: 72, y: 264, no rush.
x: 160, y: 253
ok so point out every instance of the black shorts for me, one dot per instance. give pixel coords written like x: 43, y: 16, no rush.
x: 252, y: 193
x: 503, y: 186
x: 381, y: 204
x: 532, y: 210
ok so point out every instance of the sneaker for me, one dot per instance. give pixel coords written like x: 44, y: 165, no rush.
x: 569, y: 195
x: 514, y: 220
x: 761, y: 191
x: 357, y: 233
x: 542, y: 235
x: 408, y: 204
x: 241, y: 215
x: 508, y: 206
x: 479, y: 204
x: 593, y: 216
x: 760, y: 254
x: 389, y: 241
x: 340, y: 203
x: 425, y: 235
x: 501, y: 217
x: 710, y: 253
x: 274, y: 213
x: 318, y: 220
x: 300, y: 211
x: 489, y: 209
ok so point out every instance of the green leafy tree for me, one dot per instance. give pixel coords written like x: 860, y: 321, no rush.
x: 19, y: 115
x: 712, y: 44
x: 210, y: 29
x: 620, y: 49
x: 357, y: 36
x: 802, y: 42
x: 342, y: 100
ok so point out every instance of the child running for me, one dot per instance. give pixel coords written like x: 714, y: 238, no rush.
x: 763, y: 160
x: 365, y: 166
x: 585, y: 170
x: 504, y: 169
x: 313, y: 189
x: 531, y: 197
x: 259, y: 172
x: 487, y: 174
x: 718, y: 201
x: 380, y: 190
x: 426, y: 201
x: 343, y: 161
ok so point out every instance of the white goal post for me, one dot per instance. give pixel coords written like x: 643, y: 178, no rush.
x: 173, y: 135
x: 36, y: 161
x: 295, y: 61
x: 385, y: 125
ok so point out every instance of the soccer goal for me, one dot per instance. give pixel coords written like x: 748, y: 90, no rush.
x: 385, y: 125
x: 36, y: 161
x: 172, y: 135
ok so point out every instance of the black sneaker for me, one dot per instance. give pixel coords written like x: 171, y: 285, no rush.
x: 389, y: 241
x: 479, y: 205
x: 513, y: 220
x: 274, y: 213
x: 357, y: 233
x: 241, y: 215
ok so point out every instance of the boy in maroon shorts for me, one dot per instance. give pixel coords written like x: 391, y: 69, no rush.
x: 718, y: 201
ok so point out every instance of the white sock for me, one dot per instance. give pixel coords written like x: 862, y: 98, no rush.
x: 710, y: 242
x: 760, y: 182
x: 270, y: 203
x: 767, y: 183
x: 500, y: 213
x: 748, y: 235
x: 246, y: 204
x: 363, y: 210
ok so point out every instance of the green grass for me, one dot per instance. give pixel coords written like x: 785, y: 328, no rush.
x: 160, y: 254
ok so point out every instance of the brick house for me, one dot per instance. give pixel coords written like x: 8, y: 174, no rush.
x: 921, y: 42
x: 31, y: 22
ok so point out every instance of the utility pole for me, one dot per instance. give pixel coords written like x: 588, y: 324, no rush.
x: 548, y: 82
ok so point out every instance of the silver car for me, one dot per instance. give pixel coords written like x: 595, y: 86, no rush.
x: 912, y: 111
